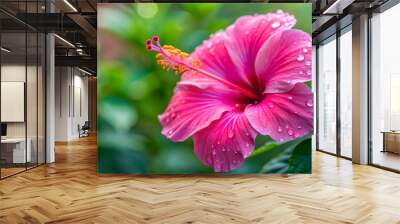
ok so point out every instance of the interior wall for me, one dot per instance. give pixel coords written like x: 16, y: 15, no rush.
x: 81, y: 108
x: 71, y: 102
x: 15, y: 72
x: 62, y: 81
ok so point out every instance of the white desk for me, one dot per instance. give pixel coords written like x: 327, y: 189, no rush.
x: 19, y: 155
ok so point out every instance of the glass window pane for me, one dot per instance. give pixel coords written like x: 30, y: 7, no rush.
x: 346, y: 94
x: 385, y: 89
x: 14, y: 153
x: 41, y: 98
x: 327, y: 96
x: 31, y: 97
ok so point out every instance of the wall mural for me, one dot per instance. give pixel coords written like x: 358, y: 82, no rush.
x: 201, y: 88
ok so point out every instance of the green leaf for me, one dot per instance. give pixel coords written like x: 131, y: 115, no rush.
x: 263, y: 149
x: 280, y: 157
x: 300, y: 162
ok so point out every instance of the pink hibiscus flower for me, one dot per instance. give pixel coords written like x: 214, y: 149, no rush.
x: 246, y: 80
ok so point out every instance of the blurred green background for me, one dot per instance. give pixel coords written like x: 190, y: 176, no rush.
x: 133, y: 90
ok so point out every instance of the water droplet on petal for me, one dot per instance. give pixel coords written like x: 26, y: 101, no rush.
x: 290, y: 132
x: 170, y: 132
x: 299, y: 127
x: 214, y: 152
x: 247, y: 145
x: 230, y: 134
x: 212, y: 51
x: 310, y: 103
x: 305, y: 50
x: 275, y: 25
x: 223, y: 149
x: 301, y: 72
x: 308, y: 63
x: 173, y: 115
x: 279, y: 129
x: 247, y: 32
x: 218, y: 143
x: 290, y: 97
x: 247, y: 134
x: 300, y: 57
x: 281, y: 140
x: 237, y: 105
x: 271, y: 105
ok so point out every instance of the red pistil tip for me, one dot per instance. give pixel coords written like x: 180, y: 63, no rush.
x: 148, y: 42
x: 156, y: 38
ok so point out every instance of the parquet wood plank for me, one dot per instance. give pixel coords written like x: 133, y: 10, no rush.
x: 70, y: 191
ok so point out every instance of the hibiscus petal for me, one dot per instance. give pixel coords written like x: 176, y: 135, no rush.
x: 283, y: 116
x: 192, y: 109
x: 246, y: 36
x: 215, y: 59
x: 226, y: 142
x: 284, y: 60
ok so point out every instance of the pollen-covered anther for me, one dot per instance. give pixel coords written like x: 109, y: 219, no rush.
x: 176, y: 60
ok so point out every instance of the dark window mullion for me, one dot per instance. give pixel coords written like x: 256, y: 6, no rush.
x: 338, y: 76
x: 316, y: 97
x: 26, y: 87
x: 37, y: 90
x: 0, y: 95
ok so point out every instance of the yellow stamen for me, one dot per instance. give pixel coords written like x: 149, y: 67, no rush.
x: 176, y: 60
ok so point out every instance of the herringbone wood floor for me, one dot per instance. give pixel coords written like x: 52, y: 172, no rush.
x: 70, y: 191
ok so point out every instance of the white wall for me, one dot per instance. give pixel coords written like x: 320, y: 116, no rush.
x: 33, y: 126
x: 71, y: 102
x: 50, y: 93
x: 12, y: 73
x: 62, y: 82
